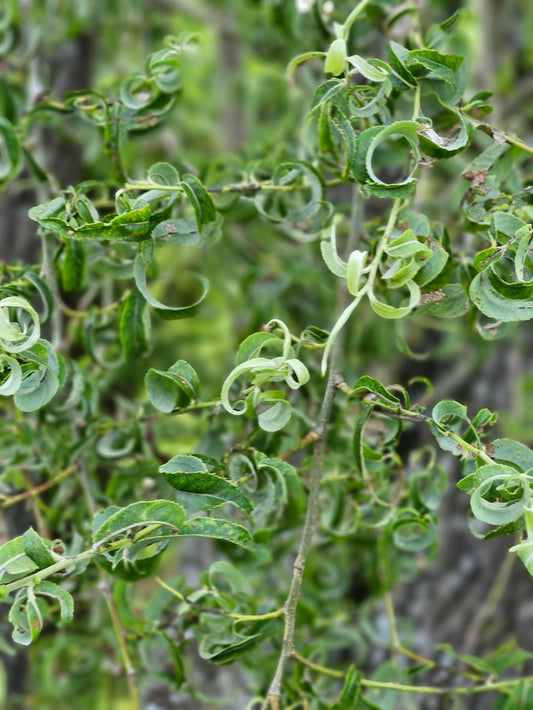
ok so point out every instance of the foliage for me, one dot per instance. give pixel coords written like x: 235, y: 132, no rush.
x: 274, y: 461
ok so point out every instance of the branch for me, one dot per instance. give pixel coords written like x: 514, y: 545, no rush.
x: 311, y: 518
x: 311, y: 522
x: 12, y: 500
x: 502, y: 685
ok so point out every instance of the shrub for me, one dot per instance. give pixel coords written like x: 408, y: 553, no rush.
x: 261, y: 411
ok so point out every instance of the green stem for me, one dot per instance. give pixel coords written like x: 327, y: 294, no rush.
x: 518, y: 143
x: 70, y: 560
x: 324, y: 670
x: 488, y: 608
x: 502, y: 685
x: 367, y: 286
x: 417, y: 30
x: 352, y: 17
x: 469, y: 447
x: 120, y: 635
x: 416, y: 103
x: 41, y: 574
x: 396, y: 644
x: 12, y: 500
x: 222, y: 189
x: 199, y: 405
x: 258, y: 617
x: 408, y: 415
x: 383, y: 242
x: 49, y: 274
x: 391, y: 618
x: 231, y: 615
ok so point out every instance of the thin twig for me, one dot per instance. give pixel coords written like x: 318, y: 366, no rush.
x: 49, y: 274
x: 273, y: 698
x: 489, y: 605
x: 311, y: 522
x: 38, y: 489
x: 501, y: 685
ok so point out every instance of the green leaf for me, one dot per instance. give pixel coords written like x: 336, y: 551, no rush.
x: 216, y: 652
x: 354, y: 270
x: 433, y: 64
x: 372, y: 72
x: 136, y: 516
x: 232, y: 577
x: 184, y: 464
x: 288, y: 490
x: 328, y: 247
x: 401, y: 76
x: 116, y: 444
x: 293, y: 206
x: 173, y: 388
x: 485, y: 160
x: 36, y: 390
x: 14, y: 562
x: 326, y: 91
x: 219, y: 529
x: 448, y: 302
x: 183, y: 232
x: 10, y: 152
x: 65, y: 600
x: 336, y: 57
x: 73, y: 266
x: 437, y: 33
x: 252, y: 346
x: 40, y: 377
x: 500, y: 300
x: 507, y: 656
x: 134, y: 325
x: 275, y: 417
x: 434, y: 266
x: 513, y: 452
x: 163, y: 66
x: 385, y: 310
x: 313, y: 336
x: 26, y: 617
x: 525, y: 549
x: 21, y: 334
x: 46, y: 215
x: 358, y: 445
x: 367, y: 144
x: 302, y: 59
x: 130, y: 226
x: 167, y: 312
x: 504, y: 226
x: 413, y: 533
x: 203, y: 205
x: 446, y: 145
x: 45, y: 295
x: 164, y: 174
x: 11, y: 382
x: 37, y: 549
x: 369, y: 384
x: 501, y: 494
x: 448, y: 415
x: 179, y: 475
x: 351, y: 692
x: 138, y: 91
